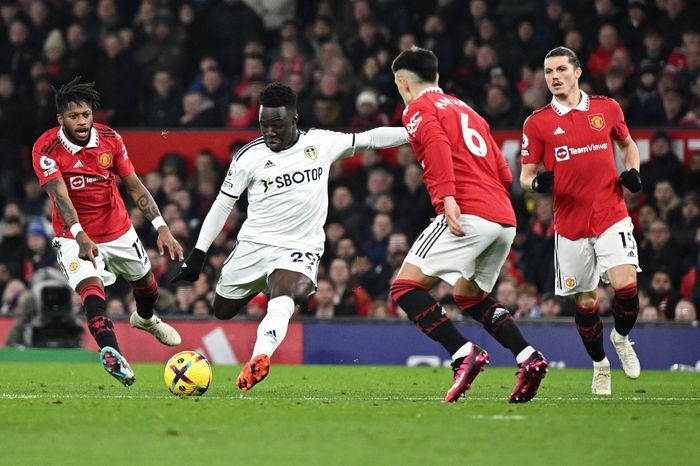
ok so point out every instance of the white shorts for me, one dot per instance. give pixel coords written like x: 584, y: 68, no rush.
x: 477, y: 256
x: 246, y: 269
x: 124, y: 256
x: 579, y: 265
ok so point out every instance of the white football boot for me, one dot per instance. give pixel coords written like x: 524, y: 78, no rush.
x: 624, y: 350
x: 601, y: 378
x: 156, y: 327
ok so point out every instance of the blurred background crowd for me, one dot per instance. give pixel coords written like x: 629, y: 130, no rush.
x: 202, y: 64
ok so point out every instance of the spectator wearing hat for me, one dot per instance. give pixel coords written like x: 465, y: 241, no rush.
x: 367, y: 113
x: 40, y: 254
x: 663, y: 164
x: 645, y: 106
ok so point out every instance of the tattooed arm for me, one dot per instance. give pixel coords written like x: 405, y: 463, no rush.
x: 148, y: 206
x: 59, y: 193
x: 142, y: 198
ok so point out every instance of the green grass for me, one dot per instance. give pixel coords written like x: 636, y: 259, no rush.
x: 74, y: 414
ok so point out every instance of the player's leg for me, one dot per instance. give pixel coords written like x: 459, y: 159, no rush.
x: 617, y: 254
x: 576, y: 272
x: 243, y: 276
x: 127, y: 258
x: 292, y: 278
x: 473, y: 297
x: 427, y: 260
x: 228, y: 308
x: 87, y: 281
x: 145, y: 292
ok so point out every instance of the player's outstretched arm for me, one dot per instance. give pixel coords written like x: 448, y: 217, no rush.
x: 148, y: 206
x: 59, y: 193
x: 381, y: 138
x: 211, y: 227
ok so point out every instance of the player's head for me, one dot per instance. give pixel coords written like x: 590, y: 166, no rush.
x: 278, y: 116
x: 414, y: 69
x: 562, y: 69
x: 74, y: 104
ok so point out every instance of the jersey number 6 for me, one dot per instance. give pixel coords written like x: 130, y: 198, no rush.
x: 472, y: 139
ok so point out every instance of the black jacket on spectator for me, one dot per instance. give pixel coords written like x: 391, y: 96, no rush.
x: 668, y: 167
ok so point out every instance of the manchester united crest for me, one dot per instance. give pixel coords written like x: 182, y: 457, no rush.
x: 569, y: 282
x: 104, y: 160
x: 311, y: 152
x: 73, y: 266
x: 597, y: 121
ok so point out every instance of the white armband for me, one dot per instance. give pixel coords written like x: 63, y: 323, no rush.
x: 380, y: 138
x: 158, y: 222
x: 214, y: 221
x: 75, y: 229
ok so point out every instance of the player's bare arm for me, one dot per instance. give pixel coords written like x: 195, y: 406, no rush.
x: 452, y: 214
x: 148, y: 206
x: 527, y: 176
x: 532, y: 181
x: 630, y: 178
x: 59, y: 193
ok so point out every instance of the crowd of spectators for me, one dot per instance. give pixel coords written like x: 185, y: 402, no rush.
x: 200, y: 63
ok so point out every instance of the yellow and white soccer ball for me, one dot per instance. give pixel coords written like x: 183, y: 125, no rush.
x: 187, y: 373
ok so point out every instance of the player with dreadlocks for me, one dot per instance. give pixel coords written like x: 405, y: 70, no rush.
x: 281, y: 242
x: 77, y: 162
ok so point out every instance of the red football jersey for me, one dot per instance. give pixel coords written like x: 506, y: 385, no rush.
x: 459, y: 157
x: 89, y: 176
x: 577, y: 144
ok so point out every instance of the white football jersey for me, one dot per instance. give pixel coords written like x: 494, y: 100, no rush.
x: 287, y: 190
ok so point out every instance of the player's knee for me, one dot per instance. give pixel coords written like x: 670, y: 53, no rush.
x: 225, y: 309
x: 401, y: 287
x: 586, y: 300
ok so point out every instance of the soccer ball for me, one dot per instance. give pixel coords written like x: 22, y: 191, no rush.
x: 187, y: 373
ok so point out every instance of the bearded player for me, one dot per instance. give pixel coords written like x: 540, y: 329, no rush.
x: 573, y: 138
x: 77, y: 163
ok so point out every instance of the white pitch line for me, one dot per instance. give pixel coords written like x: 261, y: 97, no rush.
x: 59, y: 396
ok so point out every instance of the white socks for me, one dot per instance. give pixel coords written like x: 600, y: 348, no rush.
x: 273, y: 328
x: 603, y: 363
x: 463, y: 351
x: 524, y: 354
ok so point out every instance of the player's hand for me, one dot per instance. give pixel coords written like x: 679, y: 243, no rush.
x: 87, y: 249
x: 452, y: 214
x: 631, y: 180
x: 543, y: 182
x: 190, y: 269
x: 167, y: 241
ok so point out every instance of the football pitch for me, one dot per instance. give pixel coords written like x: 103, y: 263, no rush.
x: 59, y: 413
